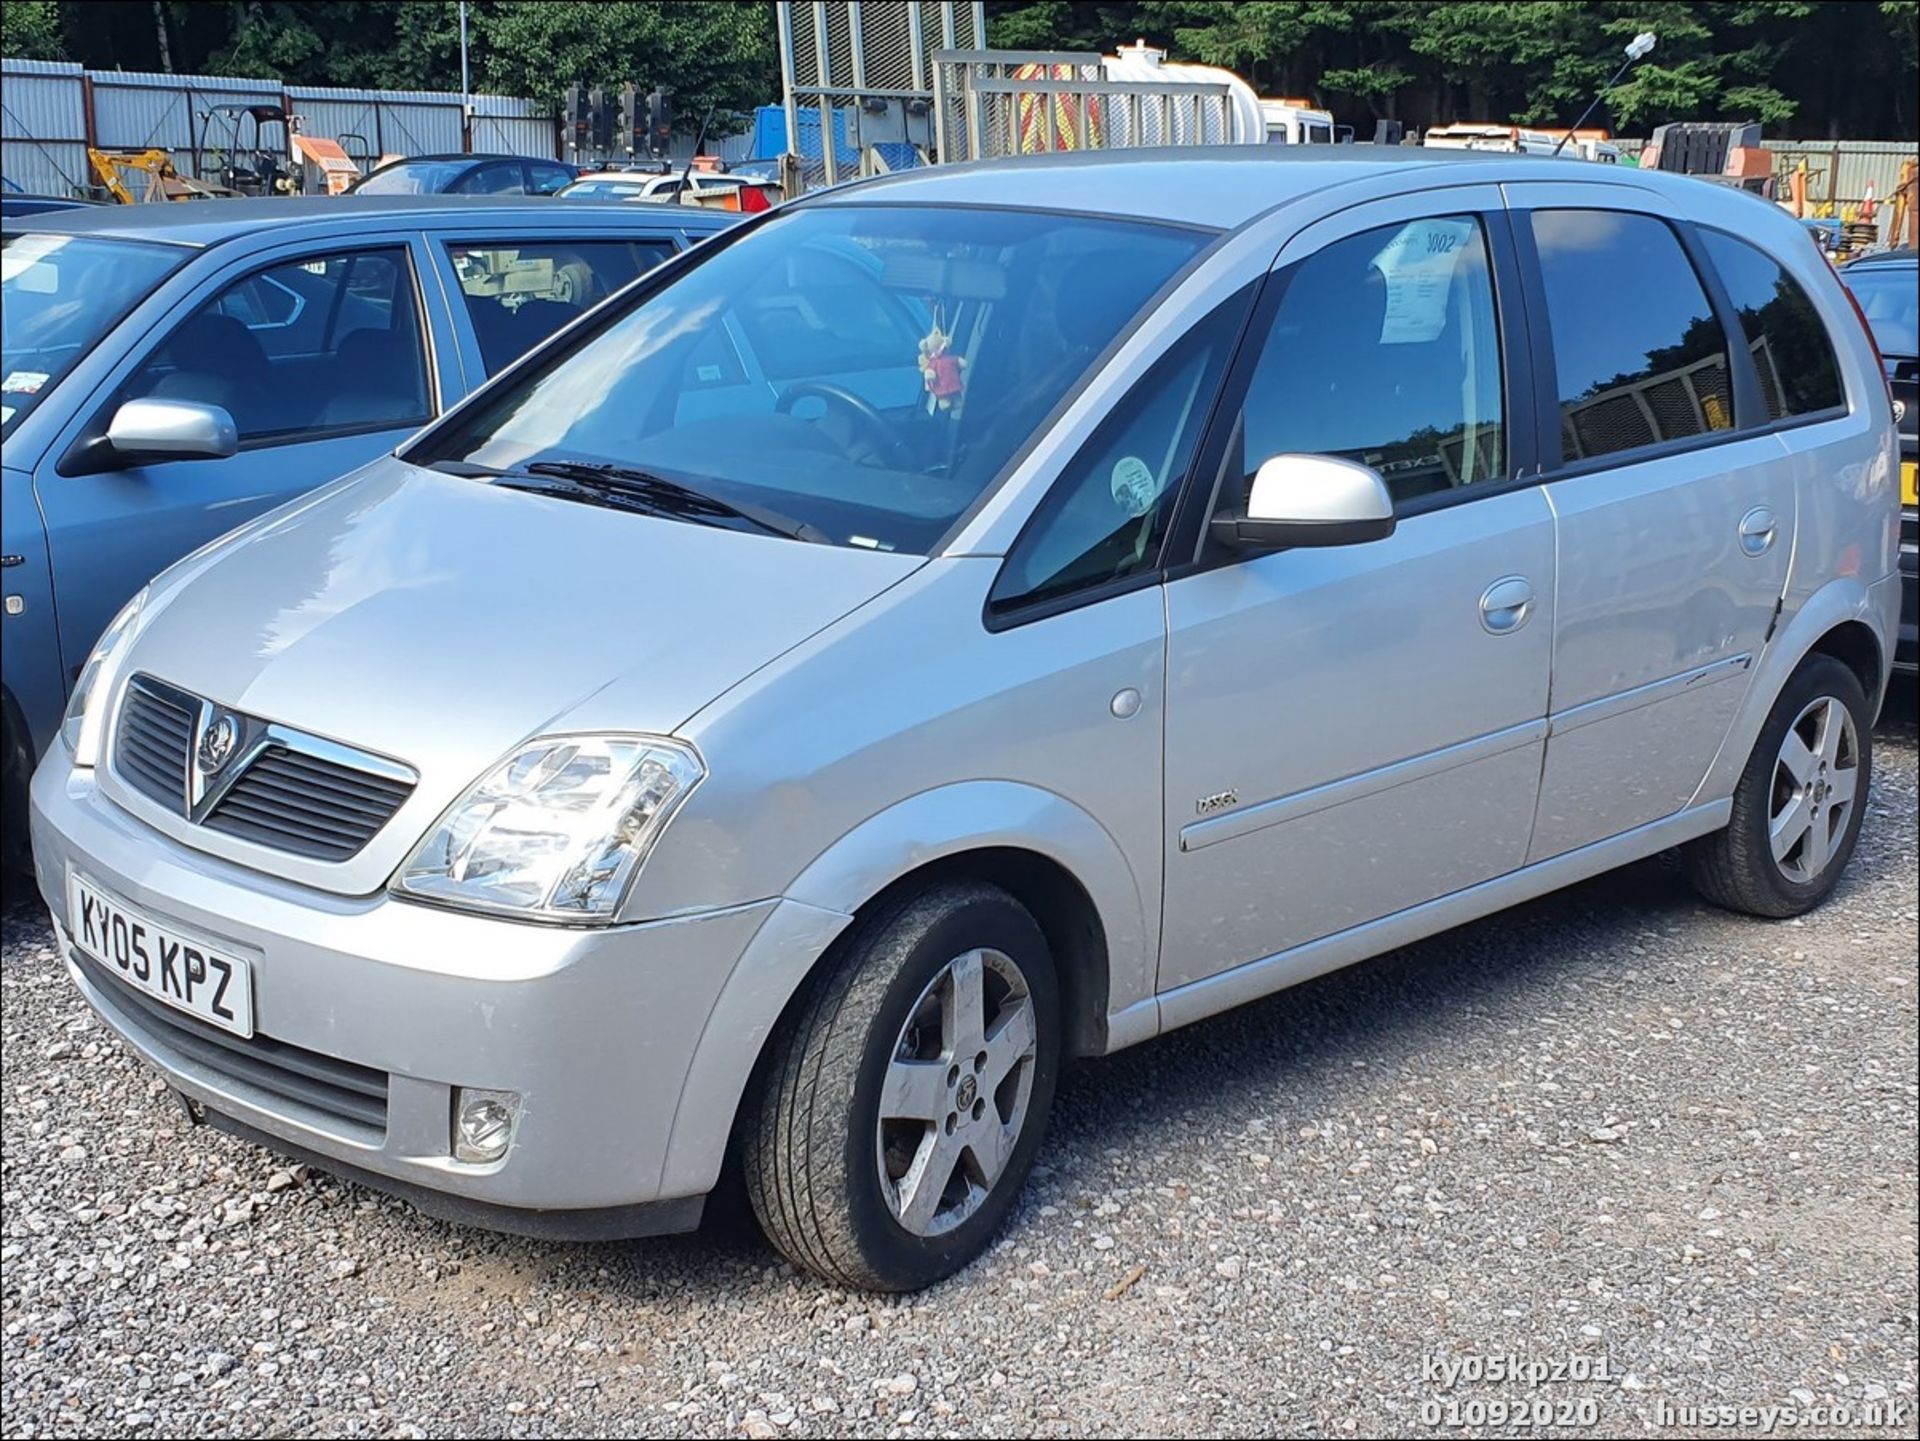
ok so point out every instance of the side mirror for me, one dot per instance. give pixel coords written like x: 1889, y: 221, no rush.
x: 1311, y: 500
x: 160, y: 429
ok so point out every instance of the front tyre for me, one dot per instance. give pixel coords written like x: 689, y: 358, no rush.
x: 899, y: 1111
x: 1799, y: 804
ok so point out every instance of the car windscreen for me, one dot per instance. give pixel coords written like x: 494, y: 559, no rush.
x: 414, y: 177
x: 604, y: 190
x: 1891, y: 303
x: 59, y: 295
x: 866, y: 370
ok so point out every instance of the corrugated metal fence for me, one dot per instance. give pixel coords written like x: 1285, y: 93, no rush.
x: 51, y: 111
x: 1838, y: 171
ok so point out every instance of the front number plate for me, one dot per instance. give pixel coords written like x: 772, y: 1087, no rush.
x: 1909, y: 483
x: 186, y: 972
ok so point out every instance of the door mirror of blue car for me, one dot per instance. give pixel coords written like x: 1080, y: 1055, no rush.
x: 157, y: 429
x: 1311, y: 500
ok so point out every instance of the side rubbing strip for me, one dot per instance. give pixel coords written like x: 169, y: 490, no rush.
x: 1337, y: 793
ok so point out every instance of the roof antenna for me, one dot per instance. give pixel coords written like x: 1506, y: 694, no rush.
x: 1640, y: 46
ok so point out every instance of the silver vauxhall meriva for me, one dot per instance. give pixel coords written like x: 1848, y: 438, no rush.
x: 965, y: 621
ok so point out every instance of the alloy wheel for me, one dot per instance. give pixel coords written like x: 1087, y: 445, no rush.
x: 1815, y: 787
x: 955, y: 1097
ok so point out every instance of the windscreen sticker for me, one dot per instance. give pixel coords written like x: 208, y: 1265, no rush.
x: 24, y: 382
x: 1418, y: 264
x: 1134, y: 488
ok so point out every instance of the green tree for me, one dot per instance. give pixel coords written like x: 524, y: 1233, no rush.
x: 710, y: 52
x: 30, y: 29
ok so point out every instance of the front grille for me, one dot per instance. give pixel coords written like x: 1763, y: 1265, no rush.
x: 154, y: 741
x: 307, y: 805
x: 293, y: 793
x: 337, y: 1089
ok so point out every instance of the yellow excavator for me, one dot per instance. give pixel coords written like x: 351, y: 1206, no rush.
x: 115, y: 169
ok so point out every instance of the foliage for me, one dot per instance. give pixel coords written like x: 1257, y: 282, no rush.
x: 31, y: 30
x: 1802, y: 67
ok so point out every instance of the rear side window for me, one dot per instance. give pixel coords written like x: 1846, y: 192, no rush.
x: 1640, y: 356
x: 1791, y: 351
x: 518, y: 295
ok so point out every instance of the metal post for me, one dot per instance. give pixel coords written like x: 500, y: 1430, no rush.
x: 784, y: 15
x: 916, y: 37
x: 821, y: 36
x: 466, y: 87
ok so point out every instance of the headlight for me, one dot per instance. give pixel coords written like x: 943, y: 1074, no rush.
x: 86, y: 714
x: 556, y: 831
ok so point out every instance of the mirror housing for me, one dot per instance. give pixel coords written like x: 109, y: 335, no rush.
x: 160, y: 429
x: 1310, y: 500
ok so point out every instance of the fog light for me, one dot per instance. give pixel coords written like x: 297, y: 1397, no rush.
x: 483, y: 1123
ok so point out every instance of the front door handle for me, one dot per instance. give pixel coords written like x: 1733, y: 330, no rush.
x: 1506, y: 604
x: 1758, y: 527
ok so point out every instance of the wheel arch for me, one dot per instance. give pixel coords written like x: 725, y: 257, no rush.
x: 1842, y: 619
x: 1049, y: 854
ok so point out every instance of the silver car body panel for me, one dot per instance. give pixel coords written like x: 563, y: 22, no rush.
x: 860, y: 721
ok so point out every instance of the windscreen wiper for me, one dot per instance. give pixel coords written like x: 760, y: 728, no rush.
x: 640, y: 490
x: 673, y: 497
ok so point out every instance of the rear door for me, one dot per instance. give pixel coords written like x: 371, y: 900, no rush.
x: 1674, y: 505
x: 326, y: 357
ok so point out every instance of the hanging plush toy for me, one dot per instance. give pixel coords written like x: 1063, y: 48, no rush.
x: 939, y: 367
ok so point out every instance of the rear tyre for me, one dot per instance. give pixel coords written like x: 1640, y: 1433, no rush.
x: 1800, y: 801
x: 897, y: 1114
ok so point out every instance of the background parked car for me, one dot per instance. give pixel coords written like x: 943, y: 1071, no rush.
x: 466, y: 175
x: 18, y: 204
x: 1888, y: 289
x: 638, y: 185
x: 321, y: 332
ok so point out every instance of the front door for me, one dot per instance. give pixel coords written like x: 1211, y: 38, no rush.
x: 1354, y: 730
x: 321, y: 359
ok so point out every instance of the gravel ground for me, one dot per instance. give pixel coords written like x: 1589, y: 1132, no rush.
x: 1612, y: 1127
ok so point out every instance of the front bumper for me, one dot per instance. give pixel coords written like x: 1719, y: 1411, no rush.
x: 596, y: 1030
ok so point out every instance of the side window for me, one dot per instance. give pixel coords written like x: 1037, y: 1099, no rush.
x: 501, y: 179
x: 1798, y: 372
x: 1107, y: 514
x: 1385, y: 349
x: 518, y: 295
x: 328, y: 342
x: 548, y: 178
x: 1641, y: 357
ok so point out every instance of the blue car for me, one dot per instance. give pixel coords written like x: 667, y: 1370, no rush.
x: 170, y: 371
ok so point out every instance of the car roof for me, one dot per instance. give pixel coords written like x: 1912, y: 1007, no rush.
x: 213, y: 222
x: 1891, y: 259
x: 1217, y: 186
x: 475, y: 157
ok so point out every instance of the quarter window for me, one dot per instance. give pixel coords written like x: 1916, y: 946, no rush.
x: 1107, y: 514
x: 517, y: 295
x: 329, y: 342
x: 1791, y: 352
x: 1640, y: 356
x: 1385, y: 349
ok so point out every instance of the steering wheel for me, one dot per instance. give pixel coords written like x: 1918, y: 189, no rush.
x: 866, y: 434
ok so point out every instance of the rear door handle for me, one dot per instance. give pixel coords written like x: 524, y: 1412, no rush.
x: 1506, y: 604
x: 1758, y: 527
